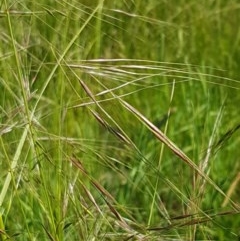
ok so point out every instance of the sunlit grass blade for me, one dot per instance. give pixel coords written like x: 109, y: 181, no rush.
x: 13, y: 165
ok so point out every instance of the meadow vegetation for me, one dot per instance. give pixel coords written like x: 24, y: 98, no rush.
x: 119, y: 120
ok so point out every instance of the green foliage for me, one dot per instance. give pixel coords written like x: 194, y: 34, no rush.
x: 119, y: 120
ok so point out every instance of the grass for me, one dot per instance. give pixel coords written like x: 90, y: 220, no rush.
x: 119, y: 120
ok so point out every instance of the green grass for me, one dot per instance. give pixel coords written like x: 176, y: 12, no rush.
x: 119, y: 120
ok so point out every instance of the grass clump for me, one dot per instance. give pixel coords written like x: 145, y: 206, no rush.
x: 119, y: 120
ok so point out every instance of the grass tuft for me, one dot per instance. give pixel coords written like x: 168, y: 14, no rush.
x: 119, y: 120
